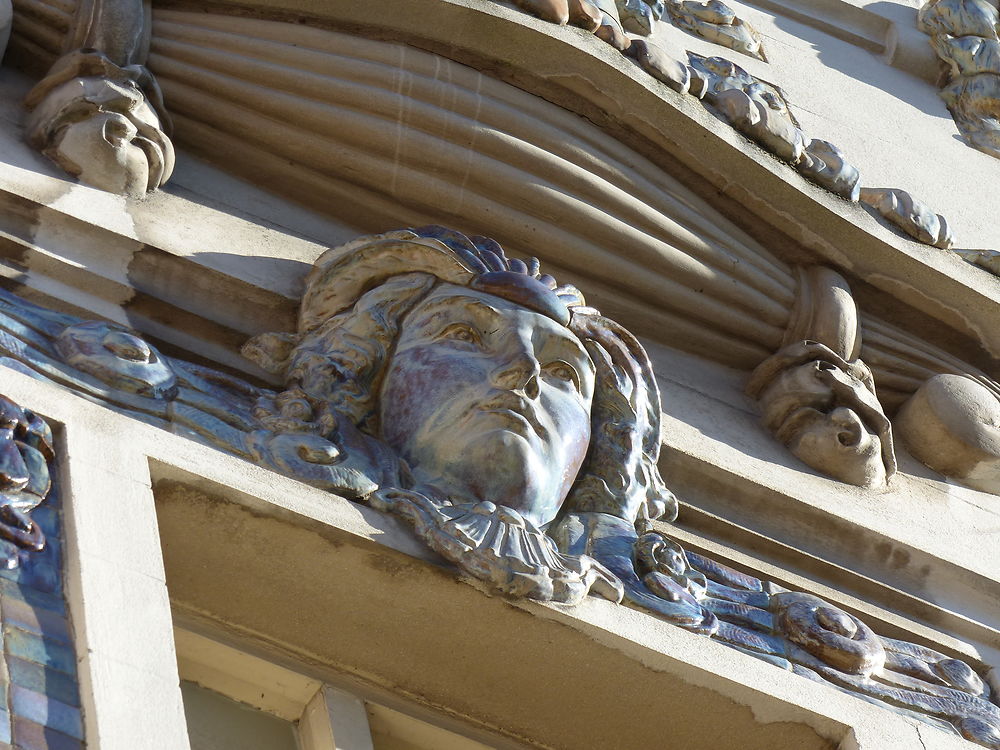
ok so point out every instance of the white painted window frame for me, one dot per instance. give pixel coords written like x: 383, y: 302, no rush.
x: 328, y: 718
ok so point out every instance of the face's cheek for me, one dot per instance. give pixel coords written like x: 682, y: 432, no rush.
x: 569, y: 435
x: 426, y: 390
x: 852, y: 455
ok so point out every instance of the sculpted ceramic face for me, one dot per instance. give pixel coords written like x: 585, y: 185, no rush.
x: 489, y: 400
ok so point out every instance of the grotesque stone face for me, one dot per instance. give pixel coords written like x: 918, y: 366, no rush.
x: 819, y: 411
x: 111, y: 137
x: 93, y: 118
x: 489, y: 400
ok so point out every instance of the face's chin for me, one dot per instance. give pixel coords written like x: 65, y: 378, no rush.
x: 507, y: 467
x: 475, y: 451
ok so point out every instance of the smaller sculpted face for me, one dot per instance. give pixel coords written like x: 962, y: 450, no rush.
x: 108, y: 135
x: 488, y: 400
x: 813, y: 414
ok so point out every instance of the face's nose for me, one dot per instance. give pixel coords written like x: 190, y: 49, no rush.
x: 851, y: 430
x: 519, y: 369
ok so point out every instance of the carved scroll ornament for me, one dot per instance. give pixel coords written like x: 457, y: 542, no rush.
x: 512, y: 426
x: 98, y: 113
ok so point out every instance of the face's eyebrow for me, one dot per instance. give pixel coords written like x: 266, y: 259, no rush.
x: 446, y: 305
x: 569, y: 341
x: 487, y: 314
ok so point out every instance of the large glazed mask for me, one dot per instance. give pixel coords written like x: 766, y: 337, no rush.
x: 472, y: 395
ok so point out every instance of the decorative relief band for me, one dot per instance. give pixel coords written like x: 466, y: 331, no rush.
x: 517, y: 430
x: 26, y: 452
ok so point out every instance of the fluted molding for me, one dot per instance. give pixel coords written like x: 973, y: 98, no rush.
x: 395, y: 132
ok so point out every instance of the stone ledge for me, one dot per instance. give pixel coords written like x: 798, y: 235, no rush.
x: 372, y: 615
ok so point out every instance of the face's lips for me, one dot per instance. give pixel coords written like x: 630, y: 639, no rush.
x: 508, y: 402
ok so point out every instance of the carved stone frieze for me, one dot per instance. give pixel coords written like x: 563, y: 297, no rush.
x: 640, y: 16
x: 760, y: 111
x: 964, y: 35
x: 909, y: 214
x: 517, y: 430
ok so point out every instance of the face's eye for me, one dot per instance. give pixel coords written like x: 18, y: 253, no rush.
x: 461, y: 332
x: 562, y: 371
x: 772, y: 101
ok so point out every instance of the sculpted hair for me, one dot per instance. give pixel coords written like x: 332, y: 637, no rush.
x: 620, y: 475
x: 342, y: 361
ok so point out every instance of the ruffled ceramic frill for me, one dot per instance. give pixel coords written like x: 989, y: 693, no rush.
x: 497, y: 545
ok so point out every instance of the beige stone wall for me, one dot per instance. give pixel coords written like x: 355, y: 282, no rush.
x: 844, y: 86
x: 656, y: 209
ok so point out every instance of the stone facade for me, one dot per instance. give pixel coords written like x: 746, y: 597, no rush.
x: 334, y: 445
